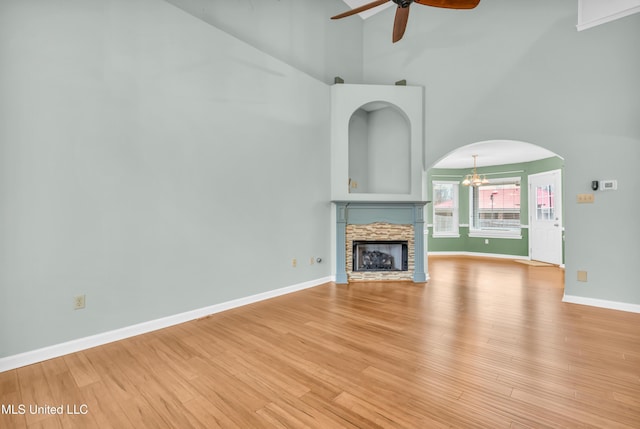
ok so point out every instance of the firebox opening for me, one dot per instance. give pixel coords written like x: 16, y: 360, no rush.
x: 380, y: 256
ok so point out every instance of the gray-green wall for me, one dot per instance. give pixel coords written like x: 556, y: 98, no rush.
x: 519, y: 70
x: 298, y: 32
x: 498, y: 246
x: 152, y: 162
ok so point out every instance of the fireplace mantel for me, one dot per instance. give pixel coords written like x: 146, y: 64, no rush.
x: 372, y: 212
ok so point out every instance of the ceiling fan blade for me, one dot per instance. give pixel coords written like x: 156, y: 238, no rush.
x: 450, y: 4
x: 400, y: 23
x: 361, y: 9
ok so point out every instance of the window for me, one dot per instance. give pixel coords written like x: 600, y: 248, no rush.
x: 445, y: 209
x: 495, y: 208
x: 545, y: 209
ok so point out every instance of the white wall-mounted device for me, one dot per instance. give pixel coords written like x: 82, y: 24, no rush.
x: 608, y: 185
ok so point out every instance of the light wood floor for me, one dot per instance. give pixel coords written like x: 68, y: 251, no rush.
x: 484, y: 344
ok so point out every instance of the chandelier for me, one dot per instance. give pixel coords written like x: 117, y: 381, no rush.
x: 475, y: 179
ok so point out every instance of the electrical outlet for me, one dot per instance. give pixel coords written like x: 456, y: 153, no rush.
x: 486, y: 241
x: 78, y: 302
x: 294, y: 262
x: 585, y: 198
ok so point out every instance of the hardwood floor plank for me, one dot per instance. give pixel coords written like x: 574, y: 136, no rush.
x: 231, y: 403
x: 206, y: 414
x: 295, y: 415
x: 51, y: 422
x: 36, y: 393
x: 104, y: 407
x: 11, y: 398
x: 275, y: 419
x: 81, y: 368
x: 142, y: 414
x: 626, y: 413
x: 269, y: 382
x: 514, y: 411
x: 383, y: 418
x: 342, y: 416
x: 579, y: 414
x: 167, y: 406
x: 67, y: 394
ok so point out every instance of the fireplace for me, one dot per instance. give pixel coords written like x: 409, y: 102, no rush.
x: 380, y: 241
x: 380, y: 256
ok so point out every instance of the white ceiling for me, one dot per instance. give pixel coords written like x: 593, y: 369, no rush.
x: 367, y: 13
x: 493, y: 152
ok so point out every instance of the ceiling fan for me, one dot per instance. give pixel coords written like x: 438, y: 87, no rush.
x: 402, y: 12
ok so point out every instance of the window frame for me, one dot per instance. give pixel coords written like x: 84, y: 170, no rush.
x: 487, y: 232
x: 455, y: 232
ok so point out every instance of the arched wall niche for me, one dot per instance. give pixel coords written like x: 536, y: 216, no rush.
x: 376, y: 143
x: 379, y: 150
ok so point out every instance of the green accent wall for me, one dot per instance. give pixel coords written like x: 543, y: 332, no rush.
x: 497, y: 246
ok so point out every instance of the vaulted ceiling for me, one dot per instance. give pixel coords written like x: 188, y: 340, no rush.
x: 367, y: 13
x: 590, y: 12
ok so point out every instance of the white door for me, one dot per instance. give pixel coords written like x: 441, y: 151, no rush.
x: 545, y: 217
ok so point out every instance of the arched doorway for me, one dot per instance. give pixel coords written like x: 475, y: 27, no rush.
x: 515, y: 211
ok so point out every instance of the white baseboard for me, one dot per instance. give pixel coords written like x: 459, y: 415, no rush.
x: 484, y: 255
x: 57, y: 350
x: 602, y: 303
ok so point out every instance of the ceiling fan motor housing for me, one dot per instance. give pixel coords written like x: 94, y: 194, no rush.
x: 403, y: 3
x: 402, y: 11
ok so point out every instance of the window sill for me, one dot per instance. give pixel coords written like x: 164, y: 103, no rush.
x: 496, y: 234
x: 446, y: 235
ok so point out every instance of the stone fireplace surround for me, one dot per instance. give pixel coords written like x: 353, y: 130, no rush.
x: 384, y: 221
